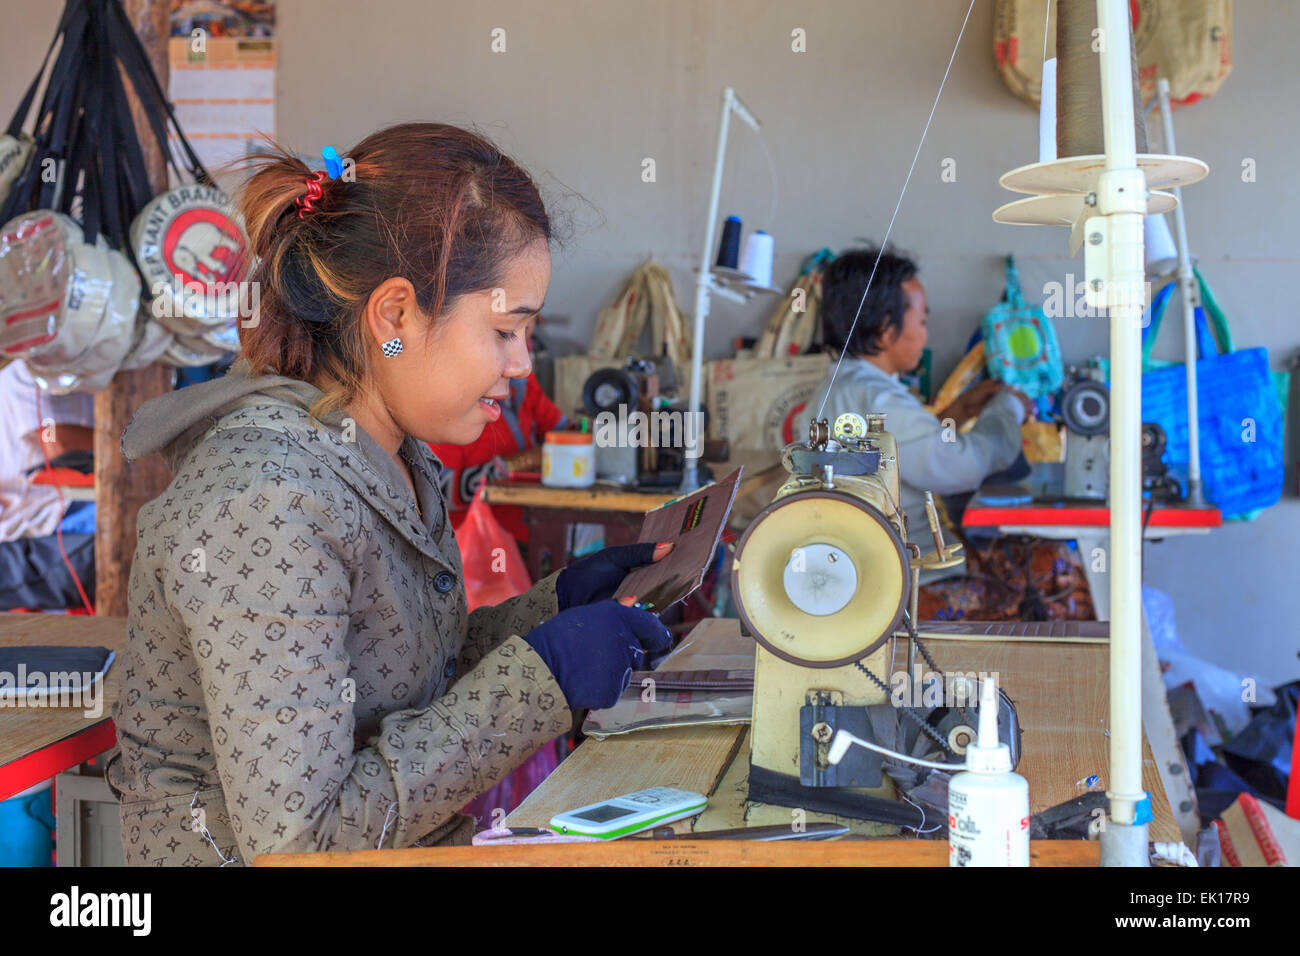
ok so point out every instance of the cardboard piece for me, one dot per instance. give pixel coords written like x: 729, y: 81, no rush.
x: 713, y: 645
x: 694, y: 524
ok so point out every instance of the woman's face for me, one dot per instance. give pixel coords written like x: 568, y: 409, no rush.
x: 904, y: 348
x: 446, y: 385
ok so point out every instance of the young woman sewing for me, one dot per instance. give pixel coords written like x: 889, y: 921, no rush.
x: 301, y: 673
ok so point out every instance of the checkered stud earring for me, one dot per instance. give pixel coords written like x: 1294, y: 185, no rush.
x: 392, y: 347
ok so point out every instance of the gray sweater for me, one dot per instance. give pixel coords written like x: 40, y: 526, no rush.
x: 931, y: 455
x: 301, y: 672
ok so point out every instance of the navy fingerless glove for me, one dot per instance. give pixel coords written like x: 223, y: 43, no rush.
x: 593, y: 649
x: 597, y: 577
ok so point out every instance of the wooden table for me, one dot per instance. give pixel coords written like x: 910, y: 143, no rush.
x: 38, y: 742
x: 1088, y: 525
x: 552, y: 512
x: 1061, y: 692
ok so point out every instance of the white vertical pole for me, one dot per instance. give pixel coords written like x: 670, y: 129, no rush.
x: 703, y: 281
x: 1188, y: 293
x: 1122, y: 197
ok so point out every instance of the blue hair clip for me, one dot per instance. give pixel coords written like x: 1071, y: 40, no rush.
x: 333, y: 165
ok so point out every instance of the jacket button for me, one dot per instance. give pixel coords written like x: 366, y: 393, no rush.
x: 444, y: 582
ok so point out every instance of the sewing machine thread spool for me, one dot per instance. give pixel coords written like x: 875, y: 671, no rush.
x: 729, y: 250
x: 1078, y: 84
x: 756, y: 262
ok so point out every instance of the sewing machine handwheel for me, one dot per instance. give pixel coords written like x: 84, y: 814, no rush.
x: 865, y: 596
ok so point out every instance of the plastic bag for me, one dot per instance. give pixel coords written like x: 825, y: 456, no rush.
x: 103, y: 346
x: 1219, y: 689
x: 14, y: 151
x: 647, y: 297
x: 151, y: 340
x: 193, y: 252
x: 35, y: 273
x: 1260, y: 752
x: 494, y: 568
x: 1240, y: 414
x: 69, y: 307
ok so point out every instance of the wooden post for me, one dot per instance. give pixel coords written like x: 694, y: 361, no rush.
x: 121, y: 487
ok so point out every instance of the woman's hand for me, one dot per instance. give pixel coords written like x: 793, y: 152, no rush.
x: 971, y: 402
x: 530, y: 459
x: 592, y: 650
x: 597, y: 576
x: 1024, y: 400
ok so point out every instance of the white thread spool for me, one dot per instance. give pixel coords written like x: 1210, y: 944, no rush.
x: 1158, y: 245
x: 1047, y: 113
x: 756, y: 261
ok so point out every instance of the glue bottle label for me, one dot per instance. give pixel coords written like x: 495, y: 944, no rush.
x: 988, y: 823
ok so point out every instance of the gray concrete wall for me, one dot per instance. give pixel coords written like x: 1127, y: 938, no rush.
x: 589, y: 88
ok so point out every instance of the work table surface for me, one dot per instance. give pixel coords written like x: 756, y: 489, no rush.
x: 26, y: 730
x: 1061, y: 691
x: 1060, y: 686
x: 758, y: 467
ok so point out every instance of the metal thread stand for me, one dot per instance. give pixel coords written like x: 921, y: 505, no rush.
x: 1108, y: 197
x: 711, y: 281
x: 1190, y: 295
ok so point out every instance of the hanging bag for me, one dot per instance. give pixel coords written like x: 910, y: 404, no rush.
x: 84, y: 156
x: 646, y: 297
x: 1240, y: 409
x: 1188, y: 42
x: 1020, y: 342
x: 792, y: 328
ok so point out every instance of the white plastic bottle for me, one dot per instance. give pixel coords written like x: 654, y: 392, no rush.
x: 988, y: 805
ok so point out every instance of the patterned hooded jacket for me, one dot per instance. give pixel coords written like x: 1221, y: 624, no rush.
x: 301, y: 672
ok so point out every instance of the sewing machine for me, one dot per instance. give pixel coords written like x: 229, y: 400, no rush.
x: 825, y: 581
x: 642, y: 389
x: 1085, y: 409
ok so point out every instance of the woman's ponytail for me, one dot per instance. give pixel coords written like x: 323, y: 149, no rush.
x: 278, y: 181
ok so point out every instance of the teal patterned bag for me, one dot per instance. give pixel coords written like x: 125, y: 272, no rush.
x: 1020, y: 342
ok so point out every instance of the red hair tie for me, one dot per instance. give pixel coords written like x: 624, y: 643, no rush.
x: 314, y: 192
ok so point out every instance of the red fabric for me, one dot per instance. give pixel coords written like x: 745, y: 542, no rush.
x: 1293, y: 787
x: 68, y: 477
x: 466, y: 466
x: 494, y: 570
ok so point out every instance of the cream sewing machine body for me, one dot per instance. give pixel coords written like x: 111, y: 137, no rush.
x: 824, y: 580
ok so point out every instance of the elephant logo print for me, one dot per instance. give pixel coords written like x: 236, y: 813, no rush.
x: 204, y: 246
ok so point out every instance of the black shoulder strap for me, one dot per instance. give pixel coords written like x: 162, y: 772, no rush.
x: 83, y: 127
x: 135, y: 63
